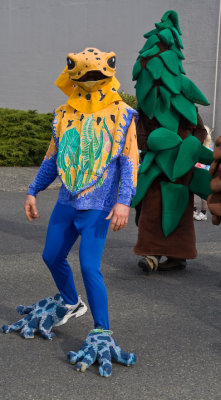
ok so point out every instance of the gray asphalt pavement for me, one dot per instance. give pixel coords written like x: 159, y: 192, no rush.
x: 172, y: 321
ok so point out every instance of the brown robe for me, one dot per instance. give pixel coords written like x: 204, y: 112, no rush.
x: 151, y: 241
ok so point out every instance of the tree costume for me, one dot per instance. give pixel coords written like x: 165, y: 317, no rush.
x: 170, y: 134
x: 94, y: 152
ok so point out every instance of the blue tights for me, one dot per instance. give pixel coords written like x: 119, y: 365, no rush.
x: 65, y: 225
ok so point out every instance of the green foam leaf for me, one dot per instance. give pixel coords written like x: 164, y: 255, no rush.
x: 168, y: 118
x: 178, y: 51
x: 166, y: 96
x: 185, y: 108
x: 166, y: 24
x: 155, y: 67
x: 150, y: 43
x: 136, y: 70
x: 191, y: 91
x: 152, y: 52
x: 163, y: 139
x: 171, y: 60
x: 200, y: 183
x: 173, y: 17
x: 206, y: 155
x: 177, y: 37
x: 144, y: 182
x: 187, y: 157
x: 147, y: 162
x: 166, y: 37
x: 173, y: 83
x: 174, y: 202
x: 144, y: 48
x: 181, y: 67
x: 143, y: 85
x: 149, y: 103
x: 150, y: 33
x: 165, y: 160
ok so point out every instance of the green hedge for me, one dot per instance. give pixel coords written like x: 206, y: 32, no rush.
x: 129, y: 99
x: 25, y: 135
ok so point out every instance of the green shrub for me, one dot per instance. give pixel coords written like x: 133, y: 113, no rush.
x: 129, y: 99
x: 25, y: 135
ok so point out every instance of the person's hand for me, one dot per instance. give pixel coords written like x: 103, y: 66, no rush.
x: 31, y: 211
x: 119, y: 216
x: 101, y: 347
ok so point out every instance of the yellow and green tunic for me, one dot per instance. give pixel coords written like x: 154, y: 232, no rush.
x: 93, y: 154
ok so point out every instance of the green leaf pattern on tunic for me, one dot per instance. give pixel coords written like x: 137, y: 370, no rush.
x: 80, y: 152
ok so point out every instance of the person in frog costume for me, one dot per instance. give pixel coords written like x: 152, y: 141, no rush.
x: 170, y: 134
x: 94, y: 152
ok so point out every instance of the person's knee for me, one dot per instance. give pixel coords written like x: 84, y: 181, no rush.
x: 84, y: 269
x: 54, y: 262
x: 47, y: 259
x: 91, y: 271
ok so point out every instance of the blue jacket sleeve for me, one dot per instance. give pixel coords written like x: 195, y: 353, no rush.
x: 128, y: 167
x: 47, y: 171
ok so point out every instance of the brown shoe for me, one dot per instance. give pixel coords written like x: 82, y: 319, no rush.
x: 148, y: 264
x: 172, y: 264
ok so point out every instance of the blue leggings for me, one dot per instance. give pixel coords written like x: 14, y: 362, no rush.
x: 65, y: 225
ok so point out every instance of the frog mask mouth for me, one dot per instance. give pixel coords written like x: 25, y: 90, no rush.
x: 91, y: 76
x: 91, y: 67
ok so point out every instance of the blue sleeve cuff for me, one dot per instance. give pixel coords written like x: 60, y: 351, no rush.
x: 124, y: 200
x: 32, y: 192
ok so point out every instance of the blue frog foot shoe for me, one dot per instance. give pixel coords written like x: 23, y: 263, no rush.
x: 101, y: 347
x: 40, y: 317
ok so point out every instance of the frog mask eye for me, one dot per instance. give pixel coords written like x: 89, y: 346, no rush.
x: 111, y: 62
x: 70, y: 63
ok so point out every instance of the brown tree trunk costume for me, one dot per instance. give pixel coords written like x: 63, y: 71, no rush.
x: 170, y: 133
x: 151, y: 241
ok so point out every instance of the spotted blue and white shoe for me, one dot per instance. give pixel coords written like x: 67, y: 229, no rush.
x: 76, y: 310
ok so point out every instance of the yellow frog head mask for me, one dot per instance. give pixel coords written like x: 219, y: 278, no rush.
x: 89, y: 80
x: 91, y: 68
